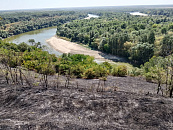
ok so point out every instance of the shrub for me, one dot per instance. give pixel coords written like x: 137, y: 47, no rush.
x: 63, y: 68
x: 57, y: 68
x: 30, y: 64
x: 120, y: 70
x: 114, y: 71
x: 13, y: 62
x: 100, y: 71
x: 9, y: 46
x: 89, y: 73
x: 47, y: 69
x: 78, y: 71
x: 107, y: 65
x: 23, y: 47
x: 53, y: 57
x: 148, y: 77
x: 135, y: 72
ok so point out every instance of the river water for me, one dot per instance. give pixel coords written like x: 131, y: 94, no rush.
x: 40, y: 35
x: 93, y: 15
x: 138, y: 13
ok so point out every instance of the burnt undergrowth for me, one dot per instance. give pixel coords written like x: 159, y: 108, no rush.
x: 118, y: 103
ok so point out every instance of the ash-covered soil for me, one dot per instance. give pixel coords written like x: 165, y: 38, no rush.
x: 83, y: 106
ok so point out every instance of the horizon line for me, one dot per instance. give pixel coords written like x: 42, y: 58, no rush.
x: 84, y: 7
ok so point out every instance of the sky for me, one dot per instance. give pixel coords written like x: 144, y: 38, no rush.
x: 39, y: 4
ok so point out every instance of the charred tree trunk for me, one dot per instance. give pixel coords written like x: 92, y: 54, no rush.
x: 20, y: 75
x: 170, y: 92
x: 6, y: 77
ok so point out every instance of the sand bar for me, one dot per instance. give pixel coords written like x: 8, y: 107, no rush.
x: 64, y: 46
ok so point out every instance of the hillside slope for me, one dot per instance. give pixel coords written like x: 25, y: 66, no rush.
x: 23, y: 107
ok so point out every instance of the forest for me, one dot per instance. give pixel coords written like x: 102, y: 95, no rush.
x: 119, y: 33
x: 13, y: 23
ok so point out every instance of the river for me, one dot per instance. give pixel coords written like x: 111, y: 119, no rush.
x: 93, y: 16
x: 40, y: 35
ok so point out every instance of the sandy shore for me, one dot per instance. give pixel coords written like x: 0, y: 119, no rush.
x: 64, y: 46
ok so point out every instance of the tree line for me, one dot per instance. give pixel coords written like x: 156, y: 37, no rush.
x: 13, y: 23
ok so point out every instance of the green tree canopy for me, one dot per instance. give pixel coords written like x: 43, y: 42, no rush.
x: 141, y: 52
x: 167, y: 45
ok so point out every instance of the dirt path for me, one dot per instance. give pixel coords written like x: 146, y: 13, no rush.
x: 64, y: 46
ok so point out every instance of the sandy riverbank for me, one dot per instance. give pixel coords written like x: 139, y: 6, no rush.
x: 64, y: 46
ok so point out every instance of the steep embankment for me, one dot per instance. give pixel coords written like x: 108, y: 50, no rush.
x: 83, y: 107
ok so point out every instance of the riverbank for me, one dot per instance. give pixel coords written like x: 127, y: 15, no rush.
x: 64, y: 46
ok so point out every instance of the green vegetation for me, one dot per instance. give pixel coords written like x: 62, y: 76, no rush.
x: 119, y: 71
x: 35, y: 59
x: 13, y: 23
x: 160, y: 70
x: 145, y: 40
x: 119, y: 33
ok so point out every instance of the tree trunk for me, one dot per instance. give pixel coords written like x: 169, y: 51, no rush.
x: 158, y: 88
x: 170, y: 92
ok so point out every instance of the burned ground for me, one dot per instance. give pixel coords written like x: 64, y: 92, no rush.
x: 82, y: 106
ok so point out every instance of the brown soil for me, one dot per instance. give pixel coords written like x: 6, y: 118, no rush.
x: 81, y: 106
